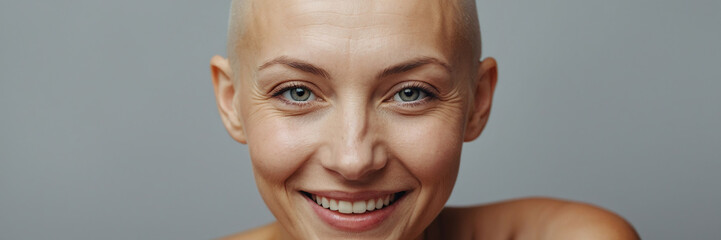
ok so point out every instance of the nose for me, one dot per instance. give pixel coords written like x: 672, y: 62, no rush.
x: 355, y: 153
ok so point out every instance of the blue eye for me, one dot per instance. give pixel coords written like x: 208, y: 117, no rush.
x: 298, y: 94
x: 410, y: 95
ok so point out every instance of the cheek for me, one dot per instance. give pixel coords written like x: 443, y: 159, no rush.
x: 279, y: 146
x: 430, y: 148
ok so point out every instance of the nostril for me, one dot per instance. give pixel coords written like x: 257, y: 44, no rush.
x: 353, y: 174
x: 354, y: 158
x: 352, y: 166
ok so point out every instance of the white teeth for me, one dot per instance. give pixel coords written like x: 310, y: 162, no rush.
x: 333, y: 205
x: 357, y: 207
x: 371, y: 205
x: 345, y: 207
x: 324, y: 202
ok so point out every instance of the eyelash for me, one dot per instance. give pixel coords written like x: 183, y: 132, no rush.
x: 277, y: 94
x: 430, y: 94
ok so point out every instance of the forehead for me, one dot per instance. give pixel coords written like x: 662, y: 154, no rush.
x: 341, y: 33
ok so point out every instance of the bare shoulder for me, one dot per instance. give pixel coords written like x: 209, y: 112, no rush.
x: 269, y: 231
x: 575, y: 220
x: 541, y: 218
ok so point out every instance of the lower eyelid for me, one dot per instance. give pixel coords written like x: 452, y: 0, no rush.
x: 296, y: 105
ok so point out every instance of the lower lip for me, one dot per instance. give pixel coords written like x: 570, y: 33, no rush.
x: 353, y: 222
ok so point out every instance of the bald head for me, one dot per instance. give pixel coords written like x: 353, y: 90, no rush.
x: 454, y: 22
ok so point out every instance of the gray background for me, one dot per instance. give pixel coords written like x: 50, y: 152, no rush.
x: 109, y: 129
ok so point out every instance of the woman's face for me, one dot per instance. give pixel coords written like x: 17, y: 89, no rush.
x: 354, y: 115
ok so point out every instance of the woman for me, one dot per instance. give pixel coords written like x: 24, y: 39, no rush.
x: 355, y: 113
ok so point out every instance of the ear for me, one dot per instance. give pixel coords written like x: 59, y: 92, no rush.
x: 485, y: 84
x: 221, y: 73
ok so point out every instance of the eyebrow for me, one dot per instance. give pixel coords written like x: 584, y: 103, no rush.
x: 297, y: 64
x: 412, y: 64
x: 395, y: 69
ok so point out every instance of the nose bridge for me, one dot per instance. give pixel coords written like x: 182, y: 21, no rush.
x: 354, y: 122
x: 352, y: 145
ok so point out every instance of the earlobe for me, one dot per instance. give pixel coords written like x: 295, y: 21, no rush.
x: 485, y: 85
x: 221, y: 74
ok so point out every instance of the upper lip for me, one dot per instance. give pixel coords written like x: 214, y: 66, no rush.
x: 353, y: 196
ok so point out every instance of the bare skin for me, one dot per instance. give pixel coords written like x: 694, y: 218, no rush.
x: 356, y: 100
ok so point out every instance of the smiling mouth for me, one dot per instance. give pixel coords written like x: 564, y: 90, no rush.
x: 357, y: 206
